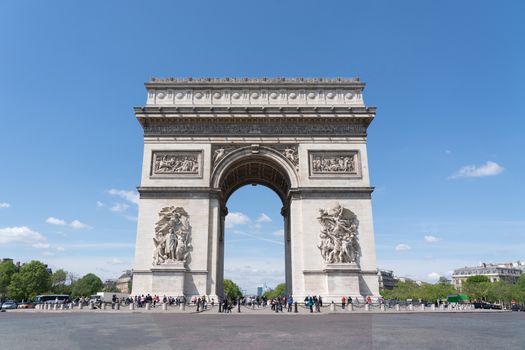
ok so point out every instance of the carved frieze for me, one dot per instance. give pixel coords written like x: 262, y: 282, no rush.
x: 176, y: 163
x: 297, y: 128
x: 339, y: 235
x: 339, y: 163
x: 172, y: 236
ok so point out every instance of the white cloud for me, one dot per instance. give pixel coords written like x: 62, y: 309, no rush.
x: 431, y: 239
x: 4, y: 205
x: 100, y: 204
x: 434, y: 276
x: 488, y: 169
x: 119, y: 207
x: 264, y: 218
x: 40, y: 245
x: 54, y: 221
x: 22, y: 234
x: 132, y: 218
x: 279, y: 233
x: 402, y: 247
x: 236, y: 218
x: 116, y: 261
x: 79, y: 225
x: 130, y: 196
x: 107, y: 245
x: 60, y: 249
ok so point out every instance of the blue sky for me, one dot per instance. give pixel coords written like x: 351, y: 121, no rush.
x: 445, y: 149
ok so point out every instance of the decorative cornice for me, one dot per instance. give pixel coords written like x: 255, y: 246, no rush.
x: 262, y: 80
x: 255, y: 92
x: 244, y: 111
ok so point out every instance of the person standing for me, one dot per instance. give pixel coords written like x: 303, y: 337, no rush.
x: 290, y: 302
x: 343, y: 302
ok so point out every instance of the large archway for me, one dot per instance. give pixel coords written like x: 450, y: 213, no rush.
x: 303, y: 138
x: 254, y: 165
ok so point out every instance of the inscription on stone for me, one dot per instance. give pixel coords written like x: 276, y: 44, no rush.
x: 176, y: 163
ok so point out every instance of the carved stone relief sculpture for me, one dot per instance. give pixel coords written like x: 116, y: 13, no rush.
x: 176, y: 163
x: 172, y: 236
x: 221, y: 151
x: 334, y: 163
x: 339, y: 235
x: 290, y: 152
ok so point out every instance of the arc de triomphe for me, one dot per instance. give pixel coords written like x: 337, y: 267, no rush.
x: 303, y: 138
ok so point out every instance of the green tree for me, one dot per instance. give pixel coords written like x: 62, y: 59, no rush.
x: 86, y: 286
x: 58, y: 282
x: 518, y: 292
x: 7, y: 270
x: 500, y: 291
x: 402, y: 291
x: 231, y: 290
x: 33, y: 279
x: 280, y: 290
x: 476, y: 287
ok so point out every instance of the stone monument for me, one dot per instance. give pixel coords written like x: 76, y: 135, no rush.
x: 303, y: 138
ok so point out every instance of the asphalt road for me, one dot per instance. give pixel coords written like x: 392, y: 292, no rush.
x: 92, y: 331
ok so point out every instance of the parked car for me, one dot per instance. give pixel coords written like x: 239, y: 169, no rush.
x: 26, y: 305
x: 10, y: 304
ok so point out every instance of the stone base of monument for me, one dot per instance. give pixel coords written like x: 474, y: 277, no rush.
x: 342, y: 280
x: 168, y: 279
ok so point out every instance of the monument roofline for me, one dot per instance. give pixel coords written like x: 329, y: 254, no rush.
x: 280, y: 82
x: 255, y: 92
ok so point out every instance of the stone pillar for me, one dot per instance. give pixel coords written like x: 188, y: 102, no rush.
x: 350, y: 307
x: 397, y: 307
x: 410, y: 307
x: 382, y: 307
x: 182, y: 306
x: 165, y: 306
x: 117, y: 306
x: 70, y: 306
x: 332, y: 306
x: 80, y: 305
x: 433, y: 307
x: 103, y: 306
x: 61, y: 306
x: 367, y: 307
x: 131, y: 306
x: 422, y: 307
x: 55, y: 306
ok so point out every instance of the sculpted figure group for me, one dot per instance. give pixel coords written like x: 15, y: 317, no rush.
x: 169, y: 164
x: 172, y: 235
x: 340, y: 164
x: 339, y: 235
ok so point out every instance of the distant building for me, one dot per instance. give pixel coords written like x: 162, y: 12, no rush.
x: 124, y: 282
x: 508, y: 272
x: 406, y: 279
x: 386, y: 279
x: 259, y: 291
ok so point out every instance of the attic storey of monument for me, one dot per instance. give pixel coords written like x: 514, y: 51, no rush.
x: 303, y: 138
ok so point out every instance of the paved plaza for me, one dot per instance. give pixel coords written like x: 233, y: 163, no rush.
x: 176, y: 331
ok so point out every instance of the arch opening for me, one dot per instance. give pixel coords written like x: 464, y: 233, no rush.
x: 263, y: 168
